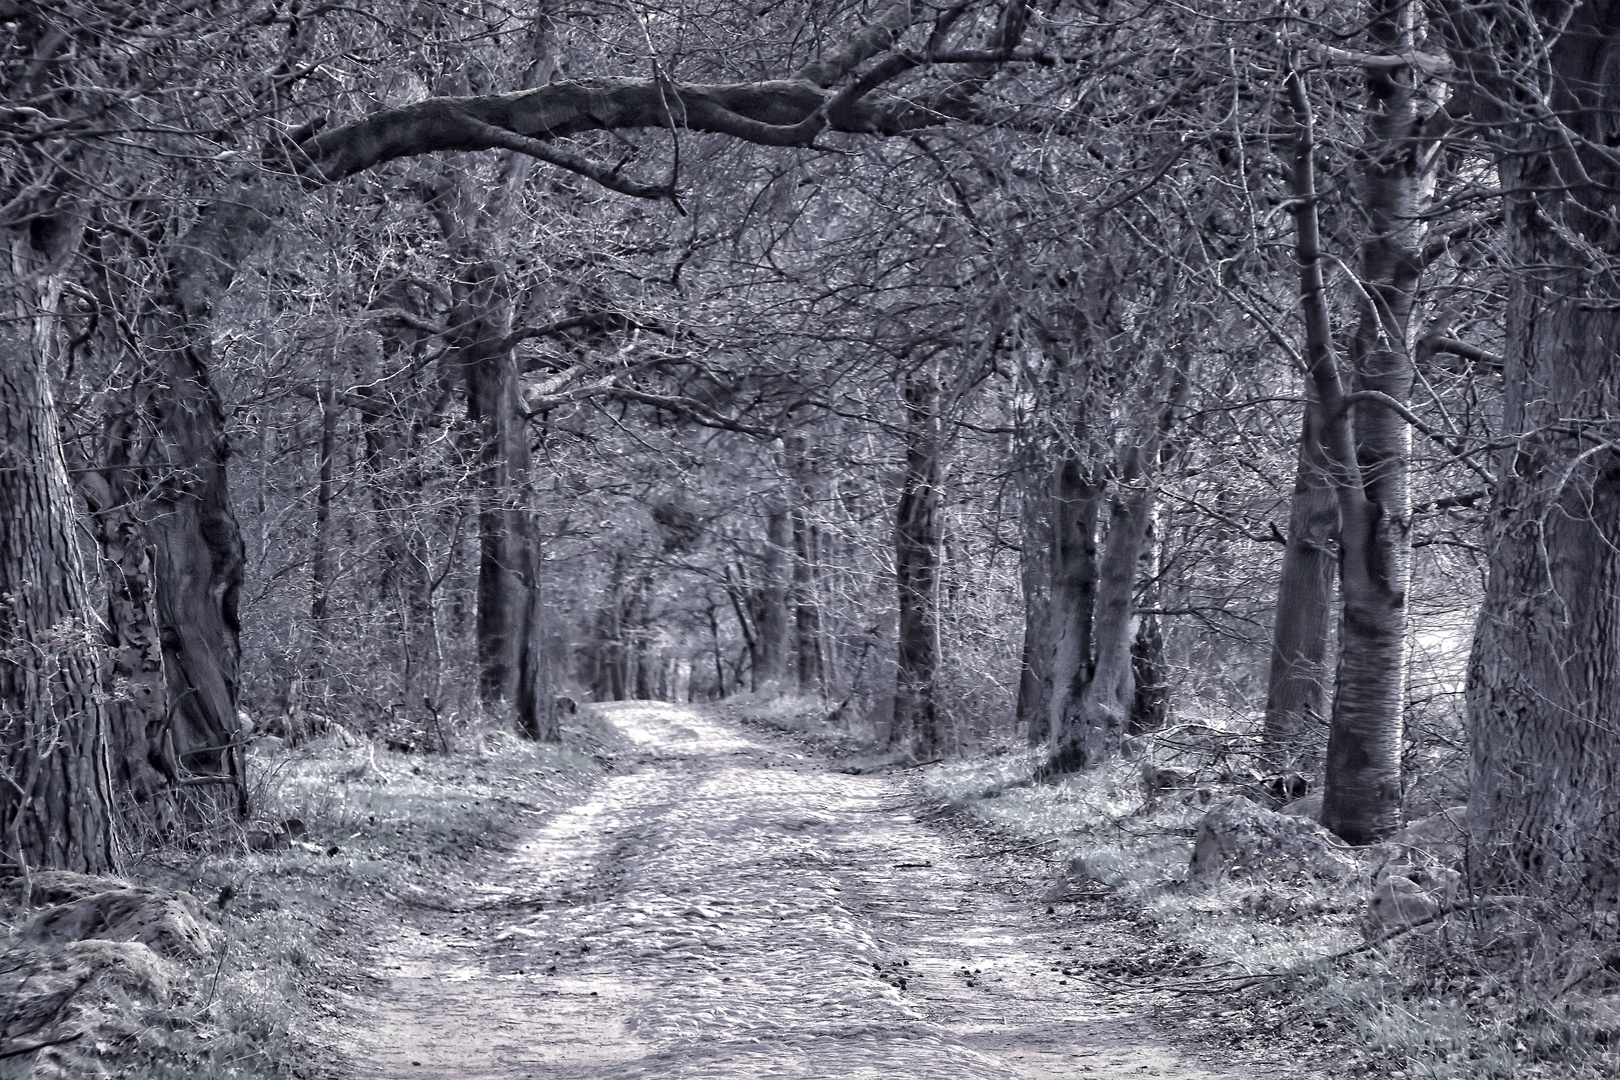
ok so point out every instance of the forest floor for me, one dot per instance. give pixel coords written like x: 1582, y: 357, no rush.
x: 724, y: 902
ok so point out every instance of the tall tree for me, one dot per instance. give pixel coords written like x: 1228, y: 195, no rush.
x: 915, y: 726
x: 1544, y: 679
x: 56, y: 809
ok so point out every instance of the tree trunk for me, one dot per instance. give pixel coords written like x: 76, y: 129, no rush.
x: 806, y: 605
x: 508, y: 627
x: 1092, y: 723
x: 1033, y: 711
x: 1076, y: 502
x: 196, y: 546
x: 1544, y: 679
x: 56, y: 809
x: 512, y: 680
x: 1094, y: 726
x: 915, y: 726
x: 1302, y: 629
x: 199, y: 558
x: 608, y: 679
x: 146, y: 770
x: 771, y: 622
x: 1362, y: 794
x: 320, y: 576
x: 1150, y: 701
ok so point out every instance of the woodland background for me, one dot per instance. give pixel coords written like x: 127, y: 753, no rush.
x: 988, y: 374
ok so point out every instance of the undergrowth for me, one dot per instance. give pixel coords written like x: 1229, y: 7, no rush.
x: 1266, y: 961
x: 339, y: 827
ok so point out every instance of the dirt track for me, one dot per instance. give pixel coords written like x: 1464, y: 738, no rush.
x: 724, y: 907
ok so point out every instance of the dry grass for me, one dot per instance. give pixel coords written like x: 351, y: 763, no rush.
x: 1251, y: 960
x: 375, y: 824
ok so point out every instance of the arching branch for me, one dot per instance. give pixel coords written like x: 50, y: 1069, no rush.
x: 773, y: 112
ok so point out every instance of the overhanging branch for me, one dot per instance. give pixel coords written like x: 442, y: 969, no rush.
x: 772, y: 112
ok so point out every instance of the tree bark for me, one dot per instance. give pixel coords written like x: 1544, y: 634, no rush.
x: 508, y: 630
x: 609, y: 681
x: 915, y: 727
x: 1150, y: 678
x: 1544, y: 678
x: 806, y: 605
x: 513, y: 669
x: 771, y: 620
x: 1093, y: 724
x: 1090, y: 718
x: 146, y: 769
x: 1302, y: 628
x: 197, y: 550
x: 1076, y: 504
x: 320, y: 575
x: 790, y: 111
x: 1362, y: 792
x: 1036, y: 559
x: 57, y: 808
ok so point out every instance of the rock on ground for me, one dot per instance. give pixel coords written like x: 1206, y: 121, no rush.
x: 1238, y: 839
x: 171, y: 924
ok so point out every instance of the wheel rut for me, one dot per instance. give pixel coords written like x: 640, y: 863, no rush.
x: 728, y: 907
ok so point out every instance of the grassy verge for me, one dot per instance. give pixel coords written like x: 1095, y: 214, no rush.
x: 286, y: 903
x: 809, y: 718
x: 1247, y: 960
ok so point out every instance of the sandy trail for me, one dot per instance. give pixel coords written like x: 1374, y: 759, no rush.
x: 729, y: 908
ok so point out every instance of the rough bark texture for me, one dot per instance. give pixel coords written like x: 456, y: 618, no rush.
x: 779, y: 112
x: 199, y: 558
x: 915, y: 725
x: 1094, y: 727
x: 56, y: 809
x: 197, y: 552
x: 145, y: 766
x: 508, y: 629
x: 1544, y: 681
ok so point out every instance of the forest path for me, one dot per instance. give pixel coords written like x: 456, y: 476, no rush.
x: 728, y: 907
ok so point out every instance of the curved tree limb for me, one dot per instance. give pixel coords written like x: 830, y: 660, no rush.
x: 772, y: 112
